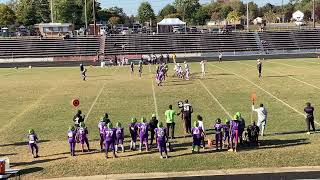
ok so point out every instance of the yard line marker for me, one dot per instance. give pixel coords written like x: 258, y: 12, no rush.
x: 287, y: 76
x: 154, y: 95
x: 14, y: 72
x: 97, y: 97
x: 286, y: 104
x: 214, y: 98
x: 28, y: 108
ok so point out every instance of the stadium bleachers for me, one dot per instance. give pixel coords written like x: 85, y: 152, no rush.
x: 135, y: 44
x: 32, y: 47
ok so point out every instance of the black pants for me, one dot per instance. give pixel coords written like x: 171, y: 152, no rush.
x: 170, y: 126
x: 187, y: 124
x: 310, y: 121
x: 152, y: 136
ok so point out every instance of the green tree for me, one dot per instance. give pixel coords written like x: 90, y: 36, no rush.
x: 114, y: 20
x: 187, y: 8
x: 7, y: 15
x: 270, y: 16
x: 225, y: 10
x: 168, y: 9
x: 233, y: 16
x: 145, y: 12
x: 69, y: 11
x: 201, y: 16
x: 174, y: 15
x: 253, y: 10
x: 26, y: 13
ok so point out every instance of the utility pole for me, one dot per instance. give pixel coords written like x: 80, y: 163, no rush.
x: 282, y: 11
x: 51, y: 11
x: 85, y: 14
x: 313, y: 14
x: 248, y: 15
x: 94, y: 17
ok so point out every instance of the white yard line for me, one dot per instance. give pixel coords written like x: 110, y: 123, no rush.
x: 267, y: 92
x: 214, y: 98
x: 289, y: 65
x: 97, y: 97
x: 27, y: 109
x: 287, y: 76
x: 154, y: 95
x: 14, y: 72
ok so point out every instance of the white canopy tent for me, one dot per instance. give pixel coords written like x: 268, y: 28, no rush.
x: 169, y: 22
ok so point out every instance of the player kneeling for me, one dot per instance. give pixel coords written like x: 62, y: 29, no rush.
x: 253, y: 134
x: 162, y: 138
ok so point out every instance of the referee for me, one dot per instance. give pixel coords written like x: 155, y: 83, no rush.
x: 83, y: 72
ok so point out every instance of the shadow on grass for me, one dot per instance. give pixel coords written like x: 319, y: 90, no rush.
x: 24, y: 143
x: 36, y: 162
x: 100, y: 76
x: 10, y: 154
x: 278, y: 76
x: 287, y: 133
x: 30, y: 170
x: 178, y: 84
x: 276, y: 143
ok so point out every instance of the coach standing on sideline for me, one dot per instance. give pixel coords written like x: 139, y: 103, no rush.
x: 186, y: 112
x: 309, y: 117
x: 262, y: 117
x: 170, y: 113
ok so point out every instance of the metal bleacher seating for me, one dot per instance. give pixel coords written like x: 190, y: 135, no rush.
x: 47, y: 47
x: 180, y: 43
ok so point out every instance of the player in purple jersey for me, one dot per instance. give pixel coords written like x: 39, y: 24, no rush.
x: 110, y: 138
x: 226, y: 136
x: 133, y: 129
x: 234, y: 134
x: 33, y: 138
x: 143, y: 133
x: 72, y: 140
x: 197, y: 133
x: 83, y: 136
x: 101, y: 126
x: 218, y: 127
x: 119, y: 137
x: 160, y: 74
x: 161, y: 136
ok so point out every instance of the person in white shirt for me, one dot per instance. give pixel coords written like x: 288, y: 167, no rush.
x: 262, y: 117
x: 187, y: 69
x: 200, y: 124
x: 203, y: 68
x: 220, y: 57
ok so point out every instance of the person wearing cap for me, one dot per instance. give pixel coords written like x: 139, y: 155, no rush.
x: 152, y: 126
x: 119, y: 137
x: 162, y: 138
x: 309, y: 117
x: 259, y: 67
x: 83, y: 136
x: 133, y: 129
x: 33, y: 138
x: 78, y: 118
x: 262, y: 117
x: 101, y: 125
x: 72, y: 139
x: 110, y: 137
x: 169, y: 114
x: 143, y: 133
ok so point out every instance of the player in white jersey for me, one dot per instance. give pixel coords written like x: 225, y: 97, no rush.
x: 187, y: 69
x: 203, y: 68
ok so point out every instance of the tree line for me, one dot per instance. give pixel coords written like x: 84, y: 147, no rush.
x: 30, y: 12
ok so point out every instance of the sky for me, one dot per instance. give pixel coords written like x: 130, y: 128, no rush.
x: 131, y: 6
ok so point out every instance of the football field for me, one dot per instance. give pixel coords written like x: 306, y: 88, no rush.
x: 40, y: 98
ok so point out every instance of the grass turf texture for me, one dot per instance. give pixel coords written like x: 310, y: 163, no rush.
x: 40, y: 98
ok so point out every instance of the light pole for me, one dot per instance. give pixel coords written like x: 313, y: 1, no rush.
x: 85, y: 14
x: 248, y: 16
x: 51, y: 11
x: 313, y: 14
x: 94, y: 17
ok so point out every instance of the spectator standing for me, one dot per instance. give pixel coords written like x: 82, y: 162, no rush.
x: 169, y: 114
x: 309, y: 117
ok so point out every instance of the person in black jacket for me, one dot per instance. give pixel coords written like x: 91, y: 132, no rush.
x: 153, y: 125
x: 78, y: 118
x: 309, y: 117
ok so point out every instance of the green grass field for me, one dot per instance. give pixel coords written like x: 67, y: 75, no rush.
x: 40, y: 98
